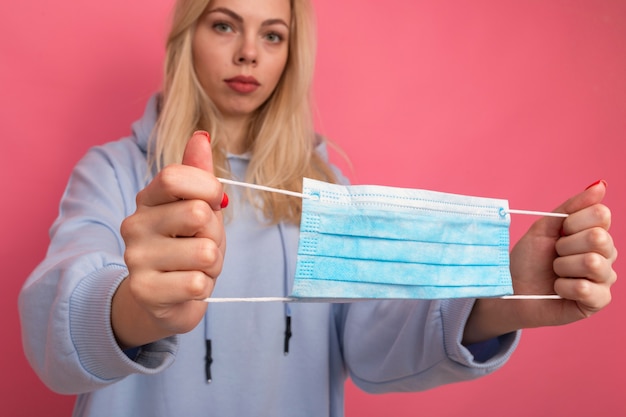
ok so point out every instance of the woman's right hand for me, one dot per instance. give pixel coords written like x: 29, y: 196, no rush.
x: 175, y: 245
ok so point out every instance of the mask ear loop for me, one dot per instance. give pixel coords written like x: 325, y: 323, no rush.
x: 537, y: 213
x: 352, y: 300
x: 334, y: 300
x: 262, y: 188
x: 304, y: 196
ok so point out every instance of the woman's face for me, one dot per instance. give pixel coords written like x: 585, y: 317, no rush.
x: 240, y: 50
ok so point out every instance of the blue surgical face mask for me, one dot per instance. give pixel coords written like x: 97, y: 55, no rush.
x: 386, y: 242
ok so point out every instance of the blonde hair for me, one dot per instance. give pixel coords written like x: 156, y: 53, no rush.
x: 281, y: 135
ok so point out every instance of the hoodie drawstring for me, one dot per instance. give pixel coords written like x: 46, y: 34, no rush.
x: 286, y: 269
x: 208, y: 358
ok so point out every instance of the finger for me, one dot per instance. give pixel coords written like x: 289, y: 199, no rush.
x: 150, y: 249
x: 591, y: 266
x: 593, y: 239
x: 181, y: 182
x: 184, y: 254
x: 169, y: 288
x: 597, y: 215
x: 198, y: 152
x: 590, y: 297
x: 182, y: 218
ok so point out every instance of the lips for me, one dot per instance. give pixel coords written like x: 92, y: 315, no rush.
x: 242, y: 84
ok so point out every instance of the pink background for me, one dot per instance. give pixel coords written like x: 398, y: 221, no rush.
x: 508, y: 99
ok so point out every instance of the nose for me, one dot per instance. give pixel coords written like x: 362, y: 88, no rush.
x: 247, y: 52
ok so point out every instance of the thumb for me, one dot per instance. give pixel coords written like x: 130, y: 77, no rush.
x: 592, y: 195
x: 198, y: 151
x: 198, y: 154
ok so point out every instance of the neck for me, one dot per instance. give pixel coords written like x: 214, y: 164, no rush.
x: 236, y: 132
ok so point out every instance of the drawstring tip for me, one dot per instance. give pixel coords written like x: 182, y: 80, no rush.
x: 208, y: 360
x: 287, y: 333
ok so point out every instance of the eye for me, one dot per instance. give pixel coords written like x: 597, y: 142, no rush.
x: 274, y: 37
x: 222, y: 27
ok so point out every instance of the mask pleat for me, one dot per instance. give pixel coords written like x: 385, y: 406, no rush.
x: 385, y: 242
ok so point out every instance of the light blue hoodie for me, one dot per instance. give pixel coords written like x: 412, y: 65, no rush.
x: 65, y: 311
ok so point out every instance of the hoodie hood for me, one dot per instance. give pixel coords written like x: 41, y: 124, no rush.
x: 142, y: 128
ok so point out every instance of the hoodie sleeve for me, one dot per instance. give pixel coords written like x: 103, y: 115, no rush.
x: 65, y: 303
x: 396, y: 346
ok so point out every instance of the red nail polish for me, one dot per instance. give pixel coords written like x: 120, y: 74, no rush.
x: 596, y: 183
x: 224, y: 202
x: 202, y: 132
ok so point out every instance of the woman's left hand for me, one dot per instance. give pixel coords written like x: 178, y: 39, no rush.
x: 572, y: 258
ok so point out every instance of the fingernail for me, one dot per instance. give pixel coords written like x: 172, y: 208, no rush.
x: 202, y: 132
x: 596, y: 183
x: 224, y: 202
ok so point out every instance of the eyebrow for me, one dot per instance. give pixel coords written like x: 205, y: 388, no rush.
x: 239, y: 19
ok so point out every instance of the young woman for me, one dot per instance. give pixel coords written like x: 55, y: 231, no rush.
x: 115, y: 311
